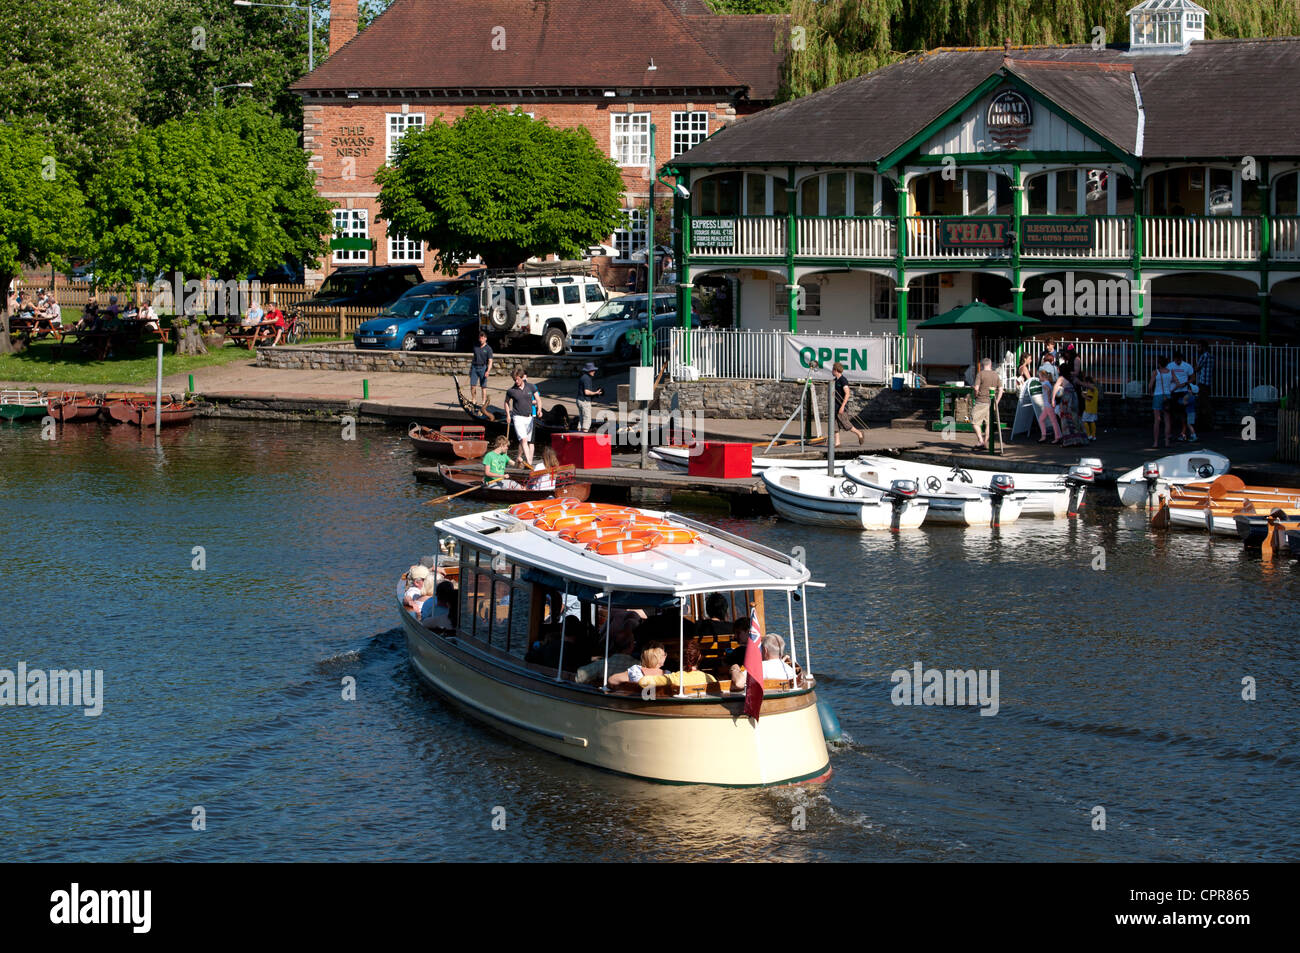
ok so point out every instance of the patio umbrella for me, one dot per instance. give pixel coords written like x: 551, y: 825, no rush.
x: 978, y: 315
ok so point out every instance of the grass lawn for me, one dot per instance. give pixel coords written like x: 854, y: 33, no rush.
x: 38, y: 365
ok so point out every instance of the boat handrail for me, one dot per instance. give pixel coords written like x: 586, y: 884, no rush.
x: 742, y: 542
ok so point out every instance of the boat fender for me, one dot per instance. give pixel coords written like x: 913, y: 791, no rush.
x: 831, y: 730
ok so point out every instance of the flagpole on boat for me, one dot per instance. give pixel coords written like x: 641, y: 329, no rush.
x: 609, y: 615
x: 681, y: 646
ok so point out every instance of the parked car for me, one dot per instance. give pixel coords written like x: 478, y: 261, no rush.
x: 442, y: 286
x: 399, y: 327
x: 543, y: 301
x: 361, y: 285
x: 455, y: 329
x: 606, y: 333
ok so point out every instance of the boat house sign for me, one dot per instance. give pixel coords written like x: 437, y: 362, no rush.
x: 1009, y: 119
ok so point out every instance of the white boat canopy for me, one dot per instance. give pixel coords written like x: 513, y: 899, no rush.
x: 717, y: 561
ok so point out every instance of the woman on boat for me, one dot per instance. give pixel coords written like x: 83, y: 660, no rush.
x: 690, y: 675
x: 1066, y: 400
x: 544, y: 472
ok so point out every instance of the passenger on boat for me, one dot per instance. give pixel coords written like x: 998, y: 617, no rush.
x: 739, y: 634
x: 652, y: 664
x: 411, y: 583
x: 544, y: 471
x: 495, y: 462
x: 622, y: 642
x: 439, y: 613
x: 774, y: 665
x: 716, y: 623
x: 428, y: 589
x: 690, y: 676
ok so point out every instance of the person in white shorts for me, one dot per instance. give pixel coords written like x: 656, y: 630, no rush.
x: 522, y: 405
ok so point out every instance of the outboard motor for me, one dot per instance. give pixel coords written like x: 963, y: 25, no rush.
x: 1078, y: 479
x: 1151, y: 473
x: 899, y: 494
x: 999, y: 488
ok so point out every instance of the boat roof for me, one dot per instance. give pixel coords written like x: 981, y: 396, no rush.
x: 719, y: 561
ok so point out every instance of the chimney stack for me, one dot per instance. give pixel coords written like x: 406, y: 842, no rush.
x: 343, y: 23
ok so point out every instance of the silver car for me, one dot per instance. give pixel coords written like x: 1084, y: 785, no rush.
x: 605, y: 333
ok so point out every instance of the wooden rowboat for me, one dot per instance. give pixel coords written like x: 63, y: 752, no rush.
x: 1216, y: 506
x: 447, y: 443
x: 456, y: 479
x: 141, y: 412
x: 69, y: 407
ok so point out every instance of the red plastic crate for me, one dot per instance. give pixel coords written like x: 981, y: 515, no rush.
x: 727, y: 460
x: 584, y: 450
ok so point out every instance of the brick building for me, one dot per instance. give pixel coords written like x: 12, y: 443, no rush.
x: 668, y: 62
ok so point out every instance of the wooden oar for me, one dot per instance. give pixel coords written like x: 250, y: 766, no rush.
x: 452, y: 496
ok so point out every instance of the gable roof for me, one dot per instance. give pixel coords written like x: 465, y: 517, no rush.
x: 553, y: 44
x: 1220, y: 96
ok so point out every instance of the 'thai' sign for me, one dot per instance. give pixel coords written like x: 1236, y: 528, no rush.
x: 975, y: 232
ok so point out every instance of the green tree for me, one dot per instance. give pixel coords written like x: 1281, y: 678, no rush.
x: 41, y: 210
x: 221, y: 193
x: 749, y: 6
x: 498, y: 184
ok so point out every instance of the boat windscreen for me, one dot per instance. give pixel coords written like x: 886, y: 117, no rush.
x: 588, y: 593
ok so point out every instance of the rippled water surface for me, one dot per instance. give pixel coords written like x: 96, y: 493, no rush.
x: 1119, y: 688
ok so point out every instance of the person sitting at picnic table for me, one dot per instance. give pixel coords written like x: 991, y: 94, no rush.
x: 254, y: 316
x: 112, y: 311
x: 273, y: 326
x: 51, y: 312
x: 495, y: 463
x: 89, y: 316
x: 148, y: 316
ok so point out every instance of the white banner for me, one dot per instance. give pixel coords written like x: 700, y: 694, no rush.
x: 863, y: 357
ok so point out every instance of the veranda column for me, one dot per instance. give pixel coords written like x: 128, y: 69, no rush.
x: 791, y: 286
x: 900, y: 268
x: 1017, y: 199
x: 1265, y: 252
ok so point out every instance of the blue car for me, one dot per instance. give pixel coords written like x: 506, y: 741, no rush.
x: 400, y: 326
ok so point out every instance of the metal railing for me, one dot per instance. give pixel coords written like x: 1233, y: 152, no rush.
x: 728, y: 353
x: 1255, y: 372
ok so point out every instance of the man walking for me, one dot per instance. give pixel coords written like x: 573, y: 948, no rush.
x: 842, y: 393
x: 522, y: 406
x: 480, y: 366
x: 1205, y: 385
x: 986, y: 380
x: 587, y: 389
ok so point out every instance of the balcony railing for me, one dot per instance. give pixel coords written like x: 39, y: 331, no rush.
x: 1165, y: 238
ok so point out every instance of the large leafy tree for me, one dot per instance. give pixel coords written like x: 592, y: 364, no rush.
x: 498, y: 184
x: 223, y: 192
x: 41, y: 210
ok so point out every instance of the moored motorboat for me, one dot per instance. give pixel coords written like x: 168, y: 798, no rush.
x: 1144, y: 484
x: 16, y: 404
x: 1052, y: 495
x: 449, y: 443
x: 818, y: 499
x: 461, y: 478
x: 529, y: 592
x: 951, y: 503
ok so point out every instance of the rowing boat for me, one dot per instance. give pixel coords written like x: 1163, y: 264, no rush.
x: 459, y: 478
x: 1144, y: 484
x: 818, y: 499
x: 1215, y: 506
x: 447, y: 443
x: 70, y: 407
x: 531, y: 605
x: 17, y: 404
x: 141, y: 412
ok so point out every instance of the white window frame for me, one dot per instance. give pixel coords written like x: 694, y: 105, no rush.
x: 351, y: 223
x: 633, y: 237
x: 397, y: 125
x: 399, y: 251
x: 630, y: 142
x: 687, y: 133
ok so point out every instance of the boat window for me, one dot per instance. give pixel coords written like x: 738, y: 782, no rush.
x: 466, y: 594
x: 521, y: 601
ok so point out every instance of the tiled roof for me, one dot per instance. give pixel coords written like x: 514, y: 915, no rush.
x: 1221, y: 97
x: 554, y: 44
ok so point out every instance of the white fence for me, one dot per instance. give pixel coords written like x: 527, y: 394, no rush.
x: 846, y: 237
x: 695, y: 353
x: 1252, y: 372
x: 1200, y: 239
x: 759, y: 235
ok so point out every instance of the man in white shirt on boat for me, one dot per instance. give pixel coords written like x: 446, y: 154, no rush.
x: 774, y: 666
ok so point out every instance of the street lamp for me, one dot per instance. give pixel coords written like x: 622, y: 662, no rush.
x: 311, y: 37
x: 229, y: 86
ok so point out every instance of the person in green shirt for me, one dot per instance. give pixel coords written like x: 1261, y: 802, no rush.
x: 495, y: 463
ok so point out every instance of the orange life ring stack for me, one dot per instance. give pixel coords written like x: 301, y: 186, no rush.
x: 606, y: 529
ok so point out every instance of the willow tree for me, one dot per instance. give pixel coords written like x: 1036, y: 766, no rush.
x: 835, y: 40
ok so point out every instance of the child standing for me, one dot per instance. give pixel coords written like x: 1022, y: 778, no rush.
x: 1189, y: 411
x: 1091, y: 399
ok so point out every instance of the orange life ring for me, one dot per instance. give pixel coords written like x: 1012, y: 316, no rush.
x: 620, y: 545
x: 588, y: 533
x: 534, y: 508
x: 676, y: 534
x: 565, y: 521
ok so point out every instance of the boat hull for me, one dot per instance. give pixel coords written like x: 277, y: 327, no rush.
x: 1046, y: 495
x: 809, y: 499
x: 692, y: 741
x: 457, y: 479
x: 952, y: 511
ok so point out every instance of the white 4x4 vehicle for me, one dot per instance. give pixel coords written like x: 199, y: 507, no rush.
x: 545, y: 302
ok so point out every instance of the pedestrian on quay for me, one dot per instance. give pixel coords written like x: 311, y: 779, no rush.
x: 1091, y: 401
x: 1042, y: 398
x: 480, y: 366
x: 1205, y: 385
x: 587, y: 389
x: 523, y: 406
x: 986, y: 381
x: 842, y: 394
x: 1182, y: 376
x: 1160, y: 385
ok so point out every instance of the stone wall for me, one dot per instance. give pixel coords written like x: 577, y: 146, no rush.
x: 345, y: 357
x: 776, y: 400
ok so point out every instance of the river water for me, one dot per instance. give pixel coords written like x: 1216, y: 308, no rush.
x: 1120, y: 688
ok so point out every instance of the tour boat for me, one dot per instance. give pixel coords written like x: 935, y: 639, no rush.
x: 458, y: 479
x: 16, y: 404
x: 535, y: 580
x: 448, y: 443
x: 951, y: 503
x: 1144, y: 484
x: 818, y: 499
x: 1052, y: 495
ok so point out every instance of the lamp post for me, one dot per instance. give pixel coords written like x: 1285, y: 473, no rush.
x: 311, y: 38
x: 229, y: 86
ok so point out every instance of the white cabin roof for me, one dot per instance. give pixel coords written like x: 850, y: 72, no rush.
x: 718, y: 561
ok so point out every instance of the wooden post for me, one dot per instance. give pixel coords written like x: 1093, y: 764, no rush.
x: 340, y: 323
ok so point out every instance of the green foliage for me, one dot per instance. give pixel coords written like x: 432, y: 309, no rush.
x: 223, y: 192
x: 41, y: 207
x: 846, y: 38
x: 749, y: 6
x: 498, y: 184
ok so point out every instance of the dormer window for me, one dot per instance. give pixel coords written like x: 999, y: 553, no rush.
x: 1165, y: 26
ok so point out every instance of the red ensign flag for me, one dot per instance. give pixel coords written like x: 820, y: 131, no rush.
x: 754, y: 667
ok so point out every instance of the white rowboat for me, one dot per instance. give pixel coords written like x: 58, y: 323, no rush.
x: 816, y: 499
